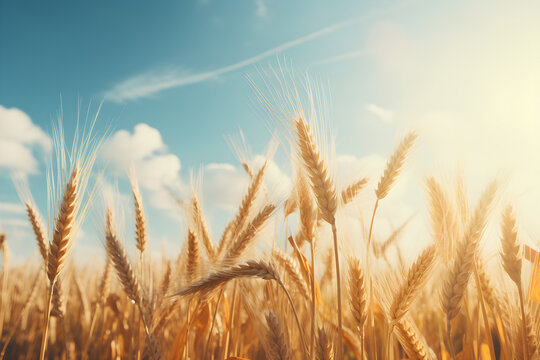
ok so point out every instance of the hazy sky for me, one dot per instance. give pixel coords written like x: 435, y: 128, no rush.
x: 173, y: 79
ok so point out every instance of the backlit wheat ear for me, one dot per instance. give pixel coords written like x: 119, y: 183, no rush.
x: 39, y: 231
x: 62, y: 235
x: 511, y: 248
x: 140, y: 218
x: 292, y: 271
x: 511, y: 257
x: 258, y: 269
x: 192, y: 263
x: 119, y: 260
x: 358, y: 296
x: 416, y: 278
x: 57, y: 300
x: 325, y: 349
x: 278, y: 347
x: 350, y: 192
x: 243, y: 211
x: 464, y: 255
x: 104, y: 284
x: 411, y: 341
x: 203, y: 229
x: 248, y: 234
x: 443, y: 217
x: 307, y: 209
x: 322, y: 184
x: 394, y: 165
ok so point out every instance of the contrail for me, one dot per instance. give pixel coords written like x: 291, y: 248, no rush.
x: 151, y: 83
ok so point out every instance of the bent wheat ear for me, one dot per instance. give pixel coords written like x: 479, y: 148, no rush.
x: 394, y: 165
x: 259, y: 269
x: 62, y: 240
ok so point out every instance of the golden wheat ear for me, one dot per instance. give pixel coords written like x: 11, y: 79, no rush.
x: 394, y: 165
x: 140, y: 216
x: 278, y: 345
x: 358, y: 297
x: 62, y: 240
x: 120, y: 261
x: 416, y: 278
x: 322, y: 184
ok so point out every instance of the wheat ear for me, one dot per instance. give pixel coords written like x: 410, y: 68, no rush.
x: 350, y: 192
x: 192, y: 263
x: 412, y: 342
x: 202, y: 226
x: 394, y: 165
x: 465, y: 254
x: 140, y: 219
x: 417, y: 277
x: 248, y: 234
x: 443, y: 218
x: 62, y: 239
x: 39, y: 231
x: 243, y: 211
x: 251, y: 269
x: 278, y: 347
x: 325, y: 349
x: 511, y: 258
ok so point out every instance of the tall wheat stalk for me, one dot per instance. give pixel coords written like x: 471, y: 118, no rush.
x: 60, y: 246
x: 324, y: 189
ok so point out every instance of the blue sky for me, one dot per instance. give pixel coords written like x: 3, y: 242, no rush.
x: 181, y: 68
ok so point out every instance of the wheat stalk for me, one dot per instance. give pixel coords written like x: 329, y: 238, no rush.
x: 324, y: 189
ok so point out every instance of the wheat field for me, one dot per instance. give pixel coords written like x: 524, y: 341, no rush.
x: 220, y: 296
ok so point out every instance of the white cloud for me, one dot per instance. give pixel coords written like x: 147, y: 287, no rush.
x: 18, y: 137
x: 261, y: 8
x: 144, y: 151
x: 224, y: 185
x: 11, y: 208
x: 385, y: 115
